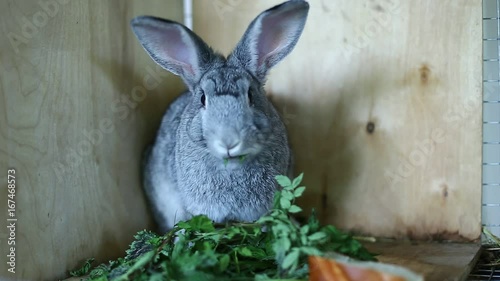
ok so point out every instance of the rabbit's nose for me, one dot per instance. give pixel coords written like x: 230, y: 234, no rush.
x: 230, y: 147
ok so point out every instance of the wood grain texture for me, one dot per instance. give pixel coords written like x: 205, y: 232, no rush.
x: 382, y: 100
x: 434, y: 261
x: 79, y: 101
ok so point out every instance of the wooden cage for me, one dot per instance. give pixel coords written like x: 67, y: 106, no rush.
x: 382, y: 100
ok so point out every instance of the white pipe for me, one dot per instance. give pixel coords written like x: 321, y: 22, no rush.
x: 188, y: 13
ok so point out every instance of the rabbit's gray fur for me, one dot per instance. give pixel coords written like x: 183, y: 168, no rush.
x: 185, y: 173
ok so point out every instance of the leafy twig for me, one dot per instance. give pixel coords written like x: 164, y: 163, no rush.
x: 203, y: 250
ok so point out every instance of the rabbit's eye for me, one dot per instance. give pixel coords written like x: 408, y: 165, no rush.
x: 203, y: 99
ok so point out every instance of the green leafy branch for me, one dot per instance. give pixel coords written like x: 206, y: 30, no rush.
x: 294, y: 243
x: 274, y: 247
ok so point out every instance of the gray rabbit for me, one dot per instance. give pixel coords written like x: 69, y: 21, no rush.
x: 221, y: 143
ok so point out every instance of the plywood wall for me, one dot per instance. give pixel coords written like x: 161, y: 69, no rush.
x: 79, y: 100
x: 382, y: 99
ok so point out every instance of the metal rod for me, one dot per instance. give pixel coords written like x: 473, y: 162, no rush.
x: 188, y: 13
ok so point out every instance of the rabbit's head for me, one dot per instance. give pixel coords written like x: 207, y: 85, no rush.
x: 231, y: 114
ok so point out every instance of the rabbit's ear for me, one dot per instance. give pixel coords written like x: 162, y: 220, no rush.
x: 270, y: 37
x: 173, y: 46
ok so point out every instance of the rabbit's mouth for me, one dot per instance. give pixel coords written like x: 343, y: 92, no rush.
x: 240, y: 158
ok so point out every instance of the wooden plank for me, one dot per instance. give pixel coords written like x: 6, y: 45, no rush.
x: 435, y: 261
x: 382, y: 100
x: 75, y: 115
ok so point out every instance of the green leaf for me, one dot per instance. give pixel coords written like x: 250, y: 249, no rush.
x: 304, y: 229
x: 298, y: 191
x: 317, y: 236
x: 242, y: 158
x: 286, y: 244
x: 178, y: 247
x: 264, y: 219
x: 310, y: 251
x: 297, y: 180
x: 303, y: 240
x: 214, y: 237
x: 262, y: 277
x: 313, y: 221
x: 276, y: 200
x: 290, y: 259
x: 283, y: 181
x: 138, y: 264
x: 258, y: 253
x: 287, y: 194
x: 156, y: 277
x: 279, y: 214
x: 280, y: 227
x: 281, y: 246
x: 285, y: 203
x: 84, y: 269
x: 101, y: 270
x: 245, y: 252
x: 224, y: 262
x: 201, y: 223
x: 294, y: 209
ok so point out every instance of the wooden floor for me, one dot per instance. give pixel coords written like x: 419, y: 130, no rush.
x: 435, y: 261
